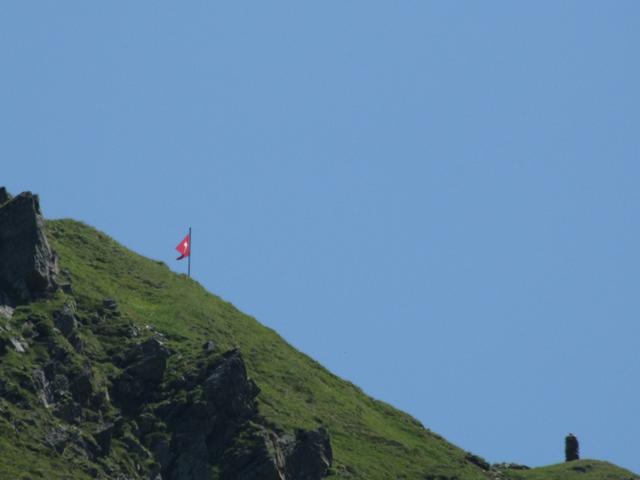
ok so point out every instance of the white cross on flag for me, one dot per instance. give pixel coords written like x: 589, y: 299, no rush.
x: 184, y: 247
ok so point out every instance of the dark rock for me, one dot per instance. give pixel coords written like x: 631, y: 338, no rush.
x: 103, y: 438
x: 100, y: 400
x: 68, y: 410
x: 146, y: 423
x: 160, y: 445
x: 81, y: 385
x: 60, y: 385
x: 571, y: 448
x: 4, y: 196
x: 134, y: 447
x: 152, y: 361
x: 28, y: 266
x: 311, y: 457
x: 110, y: 304
x: 66, y: 288
x: 263, y: 454
x: 259, y: 455
x: 227, y: 389
x: 477, y: 461
x: 147, y: 363
x: 65, y: 320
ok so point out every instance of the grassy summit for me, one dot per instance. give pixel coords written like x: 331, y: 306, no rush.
x: 370, y: 439
x: 581, y: 469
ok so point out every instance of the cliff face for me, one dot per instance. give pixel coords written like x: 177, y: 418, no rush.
x: 28, y: 266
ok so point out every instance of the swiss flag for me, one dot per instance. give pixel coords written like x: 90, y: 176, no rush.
x: 184, y: 247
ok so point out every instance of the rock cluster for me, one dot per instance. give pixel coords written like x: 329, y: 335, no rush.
x: 212, y: 421
x: 28, y: 266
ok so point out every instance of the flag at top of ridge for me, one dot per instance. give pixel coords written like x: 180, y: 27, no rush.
x: 184, y: 247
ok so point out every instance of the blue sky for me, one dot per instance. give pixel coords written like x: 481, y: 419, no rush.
x: 437, y: 200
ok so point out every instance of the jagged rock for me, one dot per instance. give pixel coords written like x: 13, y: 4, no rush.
x: 219, y: 424
x: 152, y: 361
x: 28, y: 266
x: 202, y: 428
x: 311, y: 456
x: 160, y: 446
x: 146, y: 423
x: 81, y: 385
x: 65, y: 320
x: 146, y: 366
x: 103, y: 437
x: 261, y: 453
x: 4, y: 196
x: 100, y: 400
x: 258, y: 455
x: 68, y: 410
x: 227, y: 389
x: 477, y: 461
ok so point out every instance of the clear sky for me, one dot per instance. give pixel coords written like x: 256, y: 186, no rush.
x: 439, y: 201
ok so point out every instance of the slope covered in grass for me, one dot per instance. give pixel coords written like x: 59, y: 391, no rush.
x: 577, y: 470
x: 370, y: 439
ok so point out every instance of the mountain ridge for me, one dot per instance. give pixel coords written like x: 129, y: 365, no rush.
x: 369, y: 439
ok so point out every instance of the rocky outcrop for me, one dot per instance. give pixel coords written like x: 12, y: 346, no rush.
x: 216, y: 423
x: 4, y: 196
x: 109, y: 386
x: 259, y: 453
x: 28, y: 266
x: 311, y: 455
x: 145, y: 366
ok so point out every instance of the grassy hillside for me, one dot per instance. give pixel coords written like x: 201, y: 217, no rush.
x: 582, y: 470
x: 370, y: 439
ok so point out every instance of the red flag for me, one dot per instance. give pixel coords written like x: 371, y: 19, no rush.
x: 184, y: 247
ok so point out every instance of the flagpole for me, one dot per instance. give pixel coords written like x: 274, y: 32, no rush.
x: 190, y: 250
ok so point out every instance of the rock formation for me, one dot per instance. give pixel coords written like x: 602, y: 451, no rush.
x: 104, y: 382
x: 28, y: 266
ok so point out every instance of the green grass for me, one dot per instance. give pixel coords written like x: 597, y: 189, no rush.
x: 578, y: 470
x: 370, y: 439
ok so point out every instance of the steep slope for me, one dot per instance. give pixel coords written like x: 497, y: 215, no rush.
x: 370, y: 439
x: 122, y: 370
